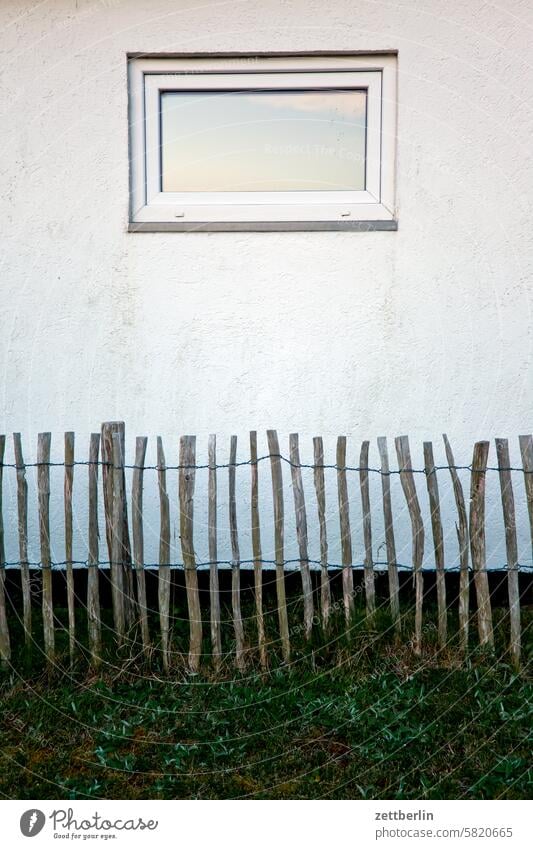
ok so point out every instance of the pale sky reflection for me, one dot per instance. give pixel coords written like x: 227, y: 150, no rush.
x: 263, y: 141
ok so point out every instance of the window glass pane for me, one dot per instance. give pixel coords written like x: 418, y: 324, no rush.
x: 221, y: 141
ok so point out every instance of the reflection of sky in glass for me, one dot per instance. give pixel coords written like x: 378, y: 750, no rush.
x: 263, y: 141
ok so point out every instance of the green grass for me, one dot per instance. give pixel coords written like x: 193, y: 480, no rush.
x: 349, y: 718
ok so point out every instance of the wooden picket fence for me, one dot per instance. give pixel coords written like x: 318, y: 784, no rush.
x: 126, y: 551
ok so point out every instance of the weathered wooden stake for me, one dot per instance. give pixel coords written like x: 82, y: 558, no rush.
x: 138, y: 537
x: 509, y: 518
x: 163, y: 583
x: 22, y: 514
x: 93, y: 593
x: 108, y: 477
x: 43, y: 488
x: 417, y: 528
x: 392, y: 566
x: 301, y: 532
x: 320, y: 489
x: 214, y: 591
x: 277, y: 495
x: 477, y: 543
x: 187, y: 474
x: 370, y: 590
x: 462, y: 537
x: 526, y: 450
x: 438, y: 540
x: 67, y: 496
x: 346, y: 534
x: 117, y: 546
x: 256, y: 550
x: 235, y: 561
x: 5, y: 646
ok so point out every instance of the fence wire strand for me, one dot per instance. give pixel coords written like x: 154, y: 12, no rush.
x: 380, y: 565
x: 201, y: 466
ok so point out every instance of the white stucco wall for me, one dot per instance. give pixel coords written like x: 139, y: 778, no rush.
x: 419, y: 331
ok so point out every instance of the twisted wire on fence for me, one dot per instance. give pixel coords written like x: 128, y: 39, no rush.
x: 380, y: 565
x: 312, y: 466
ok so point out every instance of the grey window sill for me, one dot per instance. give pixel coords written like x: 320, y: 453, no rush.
x: 258, y: 226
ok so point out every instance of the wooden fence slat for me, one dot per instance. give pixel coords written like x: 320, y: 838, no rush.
x: 137, y: 531
x: 277, y: 495
x: 235, y: 561
x: 417, y: 528
x: 22, y: 515
x: 67, y: 498
x: 463, y: 540
x: 163, y: 575
x: 43, y: 488
x: 346, y: 535
x: 256, y: 550
x: 214, y: 590
x: 477, y: 543
x: 93, y: 592
x: 108, y: 477
x: 5, y: 646
x: 301, y: 532
x: 320, y: 489
x: 370, y: 589
x: 526, y: 450
x: 392, y: 566
x: 117, y: 547
x: 438, y: 540
x: 187, y: 475
x: 511, y: 545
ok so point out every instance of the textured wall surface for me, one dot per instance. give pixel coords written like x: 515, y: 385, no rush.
x: 419, y: 331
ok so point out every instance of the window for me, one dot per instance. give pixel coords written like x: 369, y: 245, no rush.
x: 262, y: 142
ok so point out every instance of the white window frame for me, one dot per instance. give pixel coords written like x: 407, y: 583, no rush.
x: 151, y: 209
